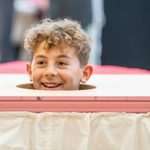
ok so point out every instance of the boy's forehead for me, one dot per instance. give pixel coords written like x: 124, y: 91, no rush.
x: 55, y: 51
x: 61, y: 48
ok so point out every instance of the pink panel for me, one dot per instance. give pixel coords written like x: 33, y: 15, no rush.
x: 137, y: 106
x: 109, y: 69
x: 13, y: 67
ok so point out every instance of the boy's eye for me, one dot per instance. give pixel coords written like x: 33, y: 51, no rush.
x: 41, y: 62
x: 61, y: 63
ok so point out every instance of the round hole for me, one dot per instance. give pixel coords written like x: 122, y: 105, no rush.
x: 82, y: 86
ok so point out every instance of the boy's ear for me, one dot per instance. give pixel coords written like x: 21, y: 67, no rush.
x: 87, y: 72
x: 29, y: 71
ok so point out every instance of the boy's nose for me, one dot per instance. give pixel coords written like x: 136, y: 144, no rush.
x: 51, y: 71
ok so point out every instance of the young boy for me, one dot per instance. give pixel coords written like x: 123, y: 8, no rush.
x: 59, y: 55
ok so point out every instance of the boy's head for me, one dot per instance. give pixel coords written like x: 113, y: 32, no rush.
x: 59, y: 55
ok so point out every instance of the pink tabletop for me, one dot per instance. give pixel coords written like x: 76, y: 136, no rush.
x: 113, y: 93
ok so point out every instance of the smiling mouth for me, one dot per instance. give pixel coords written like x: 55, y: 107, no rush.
x: 51, y: 85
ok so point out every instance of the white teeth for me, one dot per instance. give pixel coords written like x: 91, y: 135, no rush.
x: 51, y: 85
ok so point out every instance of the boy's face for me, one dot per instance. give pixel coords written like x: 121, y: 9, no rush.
x: 57, y: 68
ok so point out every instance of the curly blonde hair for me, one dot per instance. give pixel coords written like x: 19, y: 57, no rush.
x: 56, y: 32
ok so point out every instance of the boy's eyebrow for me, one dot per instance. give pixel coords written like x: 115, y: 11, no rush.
x: 40, y: 56
x: 63, y: 56
x: 59, y: 56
